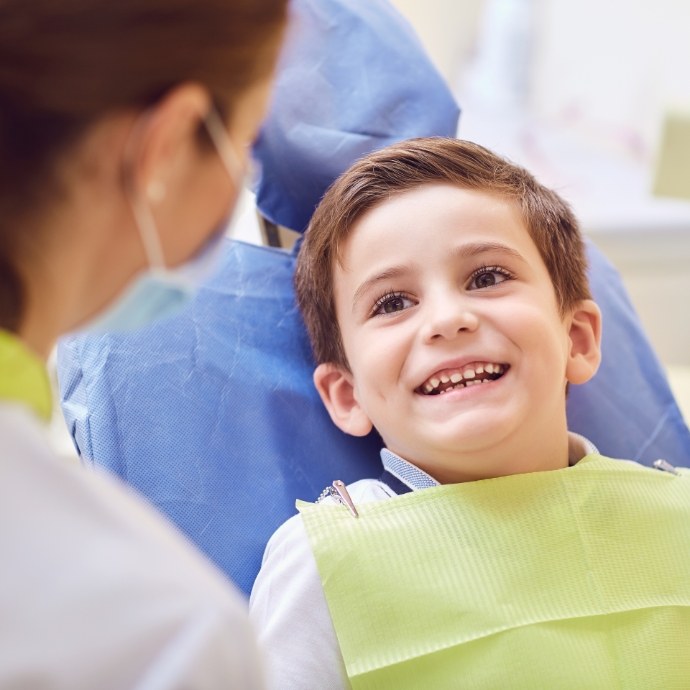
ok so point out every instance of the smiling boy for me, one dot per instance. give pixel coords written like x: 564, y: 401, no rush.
x: 445, y: 294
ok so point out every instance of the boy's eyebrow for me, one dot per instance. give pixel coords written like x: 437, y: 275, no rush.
x: 475, y: 248
x: 388, y: 274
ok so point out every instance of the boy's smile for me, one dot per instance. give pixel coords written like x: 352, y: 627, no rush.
x: 461, y: 376
x: 458, y: 353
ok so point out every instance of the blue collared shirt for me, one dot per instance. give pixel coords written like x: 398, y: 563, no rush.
x: 415, y: 479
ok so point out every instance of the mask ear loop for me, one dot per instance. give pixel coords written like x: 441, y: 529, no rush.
x: 224, y: 146
x: 143, y: 216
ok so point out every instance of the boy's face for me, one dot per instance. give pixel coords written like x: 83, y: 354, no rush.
x: 442, y: 288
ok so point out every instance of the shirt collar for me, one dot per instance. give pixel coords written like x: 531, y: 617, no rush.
x: 23, y: 376
x: 579, y: 447
x: 416, y: 479
x: 410, y: 475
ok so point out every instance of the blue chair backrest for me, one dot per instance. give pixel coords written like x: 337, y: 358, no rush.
x: 212, y: 415
x: 628, y: 409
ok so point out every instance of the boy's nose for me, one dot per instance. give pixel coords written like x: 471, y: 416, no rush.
x: 448, y: 319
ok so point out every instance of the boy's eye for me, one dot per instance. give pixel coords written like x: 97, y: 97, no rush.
x: 391, y: 303
x: 487, y: 277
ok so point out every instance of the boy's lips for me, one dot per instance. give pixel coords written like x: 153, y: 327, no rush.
x: 454, y: 377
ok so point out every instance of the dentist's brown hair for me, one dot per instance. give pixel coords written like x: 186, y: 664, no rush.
x: 65, y: 64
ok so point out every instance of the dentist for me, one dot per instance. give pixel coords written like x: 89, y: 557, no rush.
x: 123, y: 131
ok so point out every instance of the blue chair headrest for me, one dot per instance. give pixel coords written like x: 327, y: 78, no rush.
x: 353, y: 78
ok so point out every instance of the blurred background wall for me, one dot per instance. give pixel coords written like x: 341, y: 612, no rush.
x: 612, y: 63
x: 578, y: 93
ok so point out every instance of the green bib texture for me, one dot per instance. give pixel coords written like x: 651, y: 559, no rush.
x: 573, y: 578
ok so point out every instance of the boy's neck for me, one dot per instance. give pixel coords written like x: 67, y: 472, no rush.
x: 416, y: 478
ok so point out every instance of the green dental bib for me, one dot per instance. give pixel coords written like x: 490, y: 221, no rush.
x: 574, y: 578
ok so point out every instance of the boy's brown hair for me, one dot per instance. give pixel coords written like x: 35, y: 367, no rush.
x: 405, y: 166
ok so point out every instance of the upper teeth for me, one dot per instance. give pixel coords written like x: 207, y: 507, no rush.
x: 462, y: 377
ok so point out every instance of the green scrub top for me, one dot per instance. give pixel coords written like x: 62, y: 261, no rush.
x: 23, y: 376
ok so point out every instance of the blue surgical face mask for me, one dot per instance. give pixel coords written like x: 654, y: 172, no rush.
x: 159, y: 291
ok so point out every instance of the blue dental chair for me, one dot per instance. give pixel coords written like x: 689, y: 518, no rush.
x: 212, y: 414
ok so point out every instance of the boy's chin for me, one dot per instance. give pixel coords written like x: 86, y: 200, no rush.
x: 474, y: 436
x: 473, y: 429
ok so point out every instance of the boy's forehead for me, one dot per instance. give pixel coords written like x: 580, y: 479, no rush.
x: 412, y: 210
x: 457, y: 220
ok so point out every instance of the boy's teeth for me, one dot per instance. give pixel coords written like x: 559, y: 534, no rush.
x: 471, y: 376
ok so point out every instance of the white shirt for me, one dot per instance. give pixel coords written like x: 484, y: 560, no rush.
x: 97, y: 592
x: 288, y: 605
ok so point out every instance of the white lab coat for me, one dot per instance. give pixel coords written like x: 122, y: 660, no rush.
x: 97, y: 592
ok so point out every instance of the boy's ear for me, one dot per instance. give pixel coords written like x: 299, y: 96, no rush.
x: 584, y: 356
x: 336, y: 388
